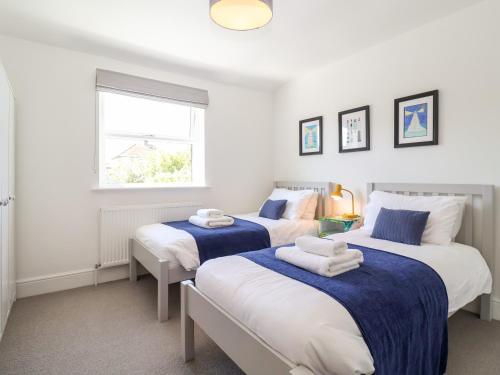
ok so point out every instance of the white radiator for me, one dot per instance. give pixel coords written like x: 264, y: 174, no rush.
x: 118, y: 225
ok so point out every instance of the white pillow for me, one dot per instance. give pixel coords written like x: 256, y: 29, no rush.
x: 445, y: 212
x: 458, y: 223
x: 310, y: 211
x: 297, y: 201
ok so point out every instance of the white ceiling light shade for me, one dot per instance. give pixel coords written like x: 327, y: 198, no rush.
x: 241, y: 14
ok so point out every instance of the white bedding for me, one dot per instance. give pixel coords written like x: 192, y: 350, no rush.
x: 309, y: 327
x: 179, y: 247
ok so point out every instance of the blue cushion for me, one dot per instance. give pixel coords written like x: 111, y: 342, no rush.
x: 402, y: 226
x: 273, y: 209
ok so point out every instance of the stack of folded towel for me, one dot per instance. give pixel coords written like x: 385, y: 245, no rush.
x: 211, y: 218
x: 321, y: 256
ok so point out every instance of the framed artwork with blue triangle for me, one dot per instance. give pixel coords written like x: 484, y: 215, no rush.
x: 416, y: 120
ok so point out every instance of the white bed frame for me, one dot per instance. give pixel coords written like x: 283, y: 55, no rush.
x: 254, y: 356
x: 159, y: 268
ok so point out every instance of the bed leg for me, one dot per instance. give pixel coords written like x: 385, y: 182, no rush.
x: 187, y: 324
x: 486, y: 313
x: 163, y: 291
x: 132, y: 261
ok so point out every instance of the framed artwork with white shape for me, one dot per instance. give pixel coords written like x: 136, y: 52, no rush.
x: 354, y: 129
x: 311, y: 136
x: 416, y: 120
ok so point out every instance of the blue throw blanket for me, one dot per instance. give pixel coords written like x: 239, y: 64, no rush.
x: 212, y: 243
x: 399, y: 304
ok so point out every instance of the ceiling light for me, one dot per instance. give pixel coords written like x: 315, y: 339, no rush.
x: 241, y: 14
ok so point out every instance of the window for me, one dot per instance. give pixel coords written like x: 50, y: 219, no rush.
x: 147, y: 141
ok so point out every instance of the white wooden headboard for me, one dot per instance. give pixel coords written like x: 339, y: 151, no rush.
x: 478, y: 221
x: 324, y: 190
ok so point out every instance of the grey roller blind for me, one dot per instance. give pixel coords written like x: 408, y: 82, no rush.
x: 107, y: 80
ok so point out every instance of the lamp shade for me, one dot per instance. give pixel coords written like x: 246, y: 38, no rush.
x: 241, y: 14
x: 337, y: 194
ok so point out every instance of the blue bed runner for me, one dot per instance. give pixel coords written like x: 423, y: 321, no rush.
x: 242, y: 236
x: 399, y: 304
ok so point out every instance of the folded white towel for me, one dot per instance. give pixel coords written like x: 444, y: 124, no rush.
x: 320, y: 246
x: 350, y: 255
x: 210, y: 213
x: 341, y: 270
x: 203, y: 222
x: 324, y: 266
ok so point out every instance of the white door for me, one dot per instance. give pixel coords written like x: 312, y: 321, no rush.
x: 4, y: 192
x: 11, y: 206
x: 3, y: 244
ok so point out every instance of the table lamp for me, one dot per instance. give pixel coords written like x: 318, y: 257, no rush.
x: 337, y: 195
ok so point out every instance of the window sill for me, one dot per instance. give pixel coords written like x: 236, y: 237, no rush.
x: 142, y: 188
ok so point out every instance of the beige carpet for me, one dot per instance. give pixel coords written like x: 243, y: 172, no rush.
x: 112, y: 329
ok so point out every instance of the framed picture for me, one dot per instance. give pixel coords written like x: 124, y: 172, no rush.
x: 354, y: 129
x: 311, y: 136
x: 416, y: 120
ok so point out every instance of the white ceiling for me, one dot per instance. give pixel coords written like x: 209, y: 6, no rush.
x: 178, y: 34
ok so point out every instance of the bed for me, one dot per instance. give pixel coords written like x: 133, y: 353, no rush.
x: 171, y: 255
x: 291, y: 327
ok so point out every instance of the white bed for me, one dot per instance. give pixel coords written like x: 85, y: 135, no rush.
x: 171, y: 255
x: 299, y: 321
x: 179, y: 247
x: 283, y: 326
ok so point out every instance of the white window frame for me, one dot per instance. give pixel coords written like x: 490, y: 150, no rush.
x: 196, y: 139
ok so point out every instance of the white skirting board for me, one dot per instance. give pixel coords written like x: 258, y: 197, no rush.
x: 69, y: 280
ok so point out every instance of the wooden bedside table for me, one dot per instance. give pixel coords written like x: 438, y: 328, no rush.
x: 336, y: 224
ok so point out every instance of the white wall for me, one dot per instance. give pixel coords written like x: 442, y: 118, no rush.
x: 57, y: 228
x: 459, y: 55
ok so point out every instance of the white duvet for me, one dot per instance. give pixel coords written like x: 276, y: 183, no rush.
x: 179, y: 247
x: 309, y: 327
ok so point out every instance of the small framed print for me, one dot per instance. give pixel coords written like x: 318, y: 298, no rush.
x: 311, y: 136
x: 354, y: 129
x: 416, y: 120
